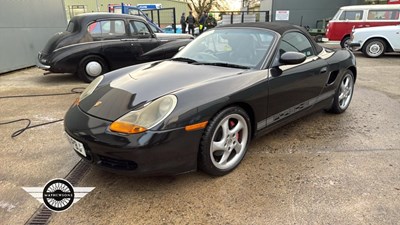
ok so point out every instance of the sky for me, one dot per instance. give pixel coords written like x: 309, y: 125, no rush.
x: 235, y: 4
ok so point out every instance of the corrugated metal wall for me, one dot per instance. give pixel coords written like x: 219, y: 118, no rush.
x: 25, y: 27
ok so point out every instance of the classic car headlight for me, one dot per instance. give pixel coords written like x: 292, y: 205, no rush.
x: 145, y: 118
x: 91, y: 87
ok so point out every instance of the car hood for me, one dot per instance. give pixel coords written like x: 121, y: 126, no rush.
x: 166, y: 50
x: 150, y: 81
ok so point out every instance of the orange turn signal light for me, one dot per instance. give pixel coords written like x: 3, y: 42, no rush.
x: 196, y: 126
x: 76, y: 102
x: 127, y: 128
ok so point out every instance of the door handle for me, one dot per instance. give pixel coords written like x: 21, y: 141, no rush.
x: 323, y: 70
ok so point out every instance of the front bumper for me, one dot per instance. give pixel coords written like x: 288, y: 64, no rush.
x: 355, y: 46
x: 149, y: 153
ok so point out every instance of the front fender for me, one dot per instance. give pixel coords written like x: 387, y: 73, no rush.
x: 202, y: 102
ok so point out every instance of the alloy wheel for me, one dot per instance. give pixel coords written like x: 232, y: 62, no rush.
x: 229, y: 141
x: 346, y: 91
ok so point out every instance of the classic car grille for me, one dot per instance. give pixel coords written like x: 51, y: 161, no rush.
x: 116, y: 164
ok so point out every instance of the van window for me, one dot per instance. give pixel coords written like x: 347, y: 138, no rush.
x: 351, y: 15
x: 336, y: 17
x: 383, y: 15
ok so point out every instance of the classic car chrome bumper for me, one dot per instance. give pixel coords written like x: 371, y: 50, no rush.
x: 39, y: 64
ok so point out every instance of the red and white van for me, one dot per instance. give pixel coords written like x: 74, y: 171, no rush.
x: 349, y: 17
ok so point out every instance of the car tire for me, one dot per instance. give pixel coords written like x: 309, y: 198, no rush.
x: 344, y: 94
x: 225, y: 141
x: 345, y: 42
x: 91, y: 67
x: 374, y: 48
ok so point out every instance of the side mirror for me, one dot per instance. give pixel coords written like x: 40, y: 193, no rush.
x: 291, y: 58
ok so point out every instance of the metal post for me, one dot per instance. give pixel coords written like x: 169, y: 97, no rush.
x: 158, y: 17
x: 174, y: 18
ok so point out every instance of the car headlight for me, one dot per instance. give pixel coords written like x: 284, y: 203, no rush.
x: 139, y: 121
x: 91, y: 87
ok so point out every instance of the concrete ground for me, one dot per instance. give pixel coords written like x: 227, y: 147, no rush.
x: 322, y: 169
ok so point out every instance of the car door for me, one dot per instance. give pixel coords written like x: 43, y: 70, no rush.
x: 394, y: 37
x: 293, y: 88
x: 111, y: 33
x: 143, y: 39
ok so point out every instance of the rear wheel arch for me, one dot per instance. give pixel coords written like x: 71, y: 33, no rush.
x: 388, y: 45
x: 344, y: 93
x: 103, y: 57
x: 81, y: 71
x: 353, y: 69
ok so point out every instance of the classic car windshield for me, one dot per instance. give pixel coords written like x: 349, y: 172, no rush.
x: 234, y: 47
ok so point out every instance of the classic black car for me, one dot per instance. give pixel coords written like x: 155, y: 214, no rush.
x: 201, y: 108
x: 96, y: 43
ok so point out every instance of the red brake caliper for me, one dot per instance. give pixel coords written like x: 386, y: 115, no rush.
x: 231, y: 125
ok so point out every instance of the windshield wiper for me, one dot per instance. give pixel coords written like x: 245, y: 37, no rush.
x: 183, y: 59
x: 226, y: 65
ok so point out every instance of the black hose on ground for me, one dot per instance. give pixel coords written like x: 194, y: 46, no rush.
x: 28, y: 126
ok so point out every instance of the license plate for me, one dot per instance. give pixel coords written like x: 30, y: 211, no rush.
x: 76, y: 145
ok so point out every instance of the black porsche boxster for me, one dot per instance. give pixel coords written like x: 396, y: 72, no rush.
x: 95, y: 43
x: 201, y: 108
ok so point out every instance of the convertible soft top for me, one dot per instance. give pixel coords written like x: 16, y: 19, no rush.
x: 278, y: 27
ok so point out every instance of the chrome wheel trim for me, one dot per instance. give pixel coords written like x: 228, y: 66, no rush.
x: 375, y: 49
x: 345, y: 91
x: 93, y: 68
x: 229, y: 149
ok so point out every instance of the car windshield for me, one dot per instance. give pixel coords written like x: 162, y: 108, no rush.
x: 229, y: 47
